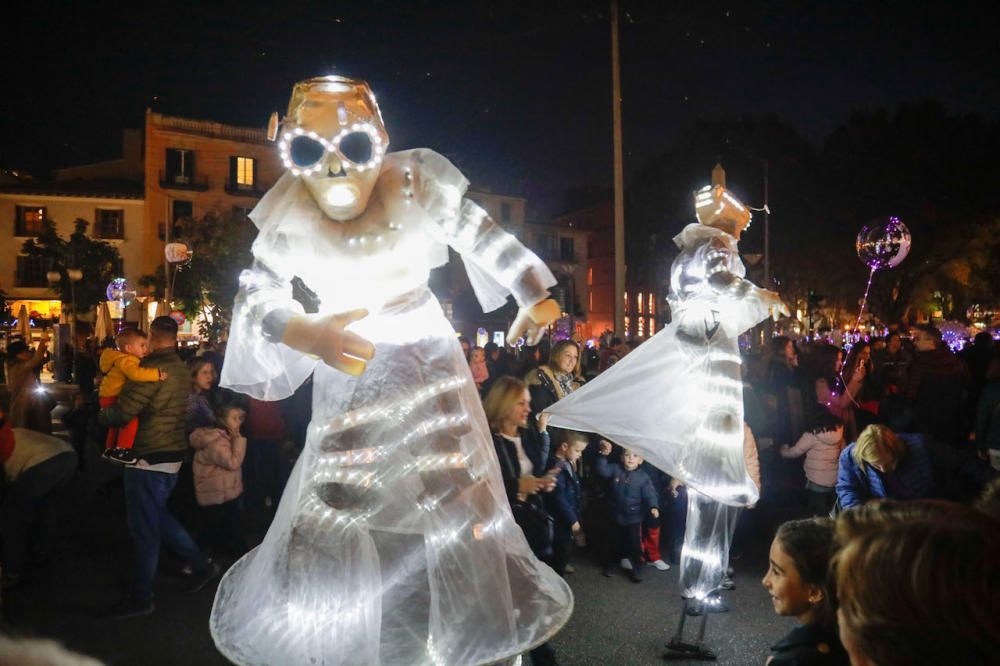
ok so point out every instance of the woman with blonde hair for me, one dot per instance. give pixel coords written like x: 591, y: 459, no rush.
x: 918, y: 584
x: 523, y: 451
x: 557, y: 378
x: 882, y: 464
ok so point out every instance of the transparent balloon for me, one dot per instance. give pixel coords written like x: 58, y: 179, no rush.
x: 120, y: 290
x: 178, y: 254
x: 884, y: 243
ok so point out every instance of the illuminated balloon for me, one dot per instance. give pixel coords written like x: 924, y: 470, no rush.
x: 883, y: 243
x: 120, y: 290
x: 178, y: 254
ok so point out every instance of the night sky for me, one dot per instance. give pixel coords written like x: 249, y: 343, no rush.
x: 518, y: 96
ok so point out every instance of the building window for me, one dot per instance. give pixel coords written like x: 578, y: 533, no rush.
x: 590, y: 277
x: 505, y: 212
x: 109, y: 223
x: 639, y: 302
x: 652, y: 307
x: 545, y: 245
x: 180, y: 166
x: 627, y: 331
x: 652, y: 326
x: 566, y: 249
x: 642, y: 327
x: 241, y: 212
x: 31, y: 271
x: 242, y: 172
x: 28, y: 220
x: 181, y: 209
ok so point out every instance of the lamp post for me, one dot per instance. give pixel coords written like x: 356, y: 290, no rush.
x: 74, y: 275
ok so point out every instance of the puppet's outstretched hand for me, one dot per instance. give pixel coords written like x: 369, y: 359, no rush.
x: 326, y: 338
x: 532, y: 321
x: 775, y: 306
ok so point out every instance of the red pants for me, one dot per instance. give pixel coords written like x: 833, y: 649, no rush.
x: 651, y: 543
x: 122, y: 437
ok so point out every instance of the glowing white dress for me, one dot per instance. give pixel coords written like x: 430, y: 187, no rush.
x: 394, y: 542
x: 678, y: 398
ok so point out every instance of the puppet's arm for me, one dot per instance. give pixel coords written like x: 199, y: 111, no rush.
x: 758, y: 302
x: 497, y: 262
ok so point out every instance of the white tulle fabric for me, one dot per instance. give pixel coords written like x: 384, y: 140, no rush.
x: 677, y: 399
x: 394, y: 542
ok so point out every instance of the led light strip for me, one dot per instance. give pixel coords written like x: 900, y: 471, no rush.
x: 332, y: 146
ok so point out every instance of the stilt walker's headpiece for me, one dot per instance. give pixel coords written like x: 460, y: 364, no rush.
x: 715, y: 206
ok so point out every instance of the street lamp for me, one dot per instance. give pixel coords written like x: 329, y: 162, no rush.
x: 74, y: 275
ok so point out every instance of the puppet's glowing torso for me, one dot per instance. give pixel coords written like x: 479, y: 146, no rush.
x: 362, y: 263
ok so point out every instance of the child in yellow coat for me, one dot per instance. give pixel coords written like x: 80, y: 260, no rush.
x: 119, y: 366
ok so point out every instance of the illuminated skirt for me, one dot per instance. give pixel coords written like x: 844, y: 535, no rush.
x: 394, y: 541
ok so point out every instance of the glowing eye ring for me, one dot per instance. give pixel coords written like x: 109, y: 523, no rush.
x: 315, y: 160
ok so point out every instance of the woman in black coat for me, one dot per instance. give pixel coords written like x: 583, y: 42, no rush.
x: 523, y: 452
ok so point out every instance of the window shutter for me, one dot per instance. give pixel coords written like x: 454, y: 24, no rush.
x: 233, y: 164
x: 173, y: 162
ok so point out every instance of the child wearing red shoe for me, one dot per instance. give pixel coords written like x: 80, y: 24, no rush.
x: 119, y: 366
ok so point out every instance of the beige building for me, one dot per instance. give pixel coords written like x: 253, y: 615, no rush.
x: 196, y: 167
x: 115, y: 214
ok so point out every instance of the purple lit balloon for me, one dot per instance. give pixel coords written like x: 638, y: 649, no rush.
x: 883, y: 243
x: 120, y: 290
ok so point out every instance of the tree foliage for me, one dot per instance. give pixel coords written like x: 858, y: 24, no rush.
x: 935, y: 170
x: 98, y: 261
x: 206, y: 287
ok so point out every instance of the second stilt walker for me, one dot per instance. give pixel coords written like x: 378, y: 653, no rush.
x: 678, y: 398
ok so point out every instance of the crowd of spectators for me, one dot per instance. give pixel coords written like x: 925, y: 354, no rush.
x: 897, y: 436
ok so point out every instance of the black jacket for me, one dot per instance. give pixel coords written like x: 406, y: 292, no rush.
x: 810, y: 645
x: 536, y: 447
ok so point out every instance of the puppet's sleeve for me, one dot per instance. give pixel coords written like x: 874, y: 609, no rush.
x: 498, y: 264
x: 257, y: 363
x: 746, y: 303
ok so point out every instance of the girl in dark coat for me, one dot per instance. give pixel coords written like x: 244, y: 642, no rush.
x: 796, y: 579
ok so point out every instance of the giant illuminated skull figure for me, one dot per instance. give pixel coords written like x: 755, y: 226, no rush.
x: 678, y: 398
x: 334, y: 139
x: 394, y: 541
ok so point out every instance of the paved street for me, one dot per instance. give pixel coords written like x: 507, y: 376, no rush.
x: 614, y: 622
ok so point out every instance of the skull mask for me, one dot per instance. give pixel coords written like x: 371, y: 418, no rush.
x: 334, y: 140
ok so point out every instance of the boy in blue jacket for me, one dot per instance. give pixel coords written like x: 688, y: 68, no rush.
x: 563, y: 503
x: 633, y: 498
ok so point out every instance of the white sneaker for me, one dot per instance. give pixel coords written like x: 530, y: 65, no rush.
x: 660, y: 565
x: 626, y: 564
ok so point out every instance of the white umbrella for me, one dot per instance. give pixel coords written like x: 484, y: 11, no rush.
x: 23, y: 324
x: 103, y: 327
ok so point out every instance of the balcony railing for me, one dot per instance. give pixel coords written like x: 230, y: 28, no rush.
x: 240, y: 190
x: 179, y: 181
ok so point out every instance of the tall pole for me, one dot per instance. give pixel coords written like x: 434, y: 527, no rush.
x: 616, y: 107
x: 167, y: 223
x: 767, y: 234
